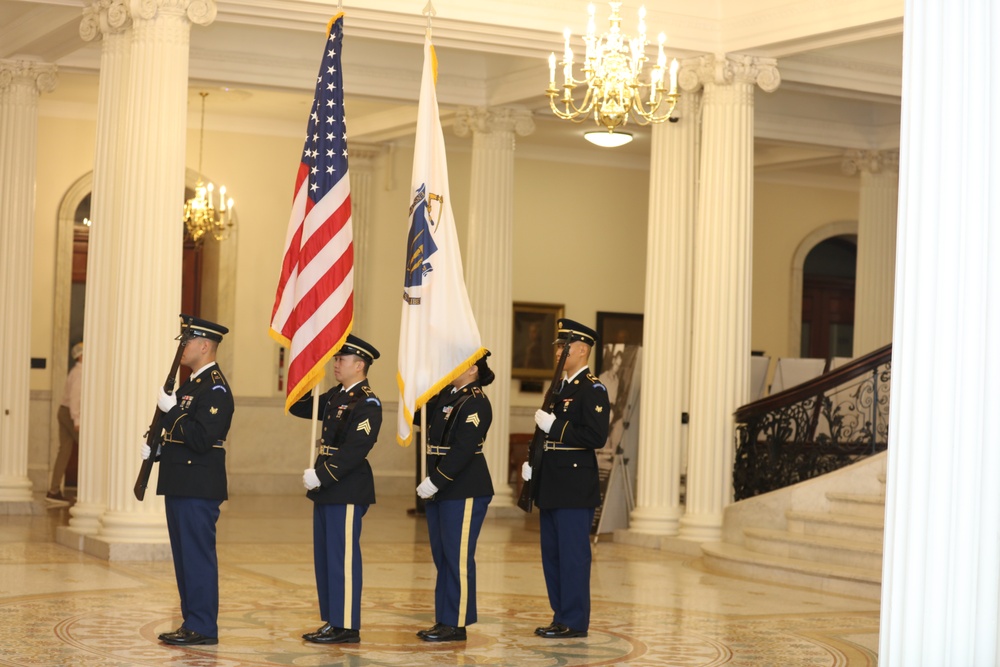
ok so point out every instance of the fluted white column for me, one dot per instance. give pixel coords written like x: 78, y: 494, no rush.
x: 720, y: 350
x: 489, y: 254
x: 109, y: 21
x: 21, y: 82
x: 362, y: 167
x: 941, y: 564
x: 666, y: 353
x: 149, y: 247
x: 876, y: 265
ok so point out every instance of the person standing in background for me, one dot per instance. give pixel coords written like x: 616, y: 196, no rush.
x: 342, y: 487
x: 458, y: 490
x: 196, y: 420
x: 569, y: 487
x: 69, y: 428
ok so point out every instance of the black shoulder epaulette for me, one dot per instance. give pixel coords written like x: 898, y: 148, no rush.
x: 369, y: 392
x: 217, y: 377
x: 477, y: 392
x: 593, y: 378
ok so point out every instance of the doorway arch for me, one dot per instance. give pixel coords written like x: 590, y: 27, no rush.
x: 813, y: 239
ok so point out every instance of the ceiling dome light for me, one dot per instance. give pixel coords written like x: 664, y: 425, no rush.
x: 608, y: 139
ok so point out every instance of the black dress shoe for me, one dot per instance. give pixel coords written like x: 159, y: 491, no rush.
x: 437, y: 626
x: 336, y: 636
x: 164, y: 635
x: 444, y: 633
x: 185, y: 637
x: 559, y: 631
x: 325, y: 628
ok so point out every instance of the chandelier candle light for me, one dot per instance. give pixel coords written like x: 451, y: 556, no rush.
x: 612, y: 69
x: 200, y: 215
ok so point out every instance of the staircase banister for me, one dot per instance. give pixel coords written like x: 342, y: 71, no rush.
x: 815, y: 386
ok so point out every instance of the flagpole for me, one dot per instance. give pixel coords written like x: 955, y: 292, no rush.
x: 429, y: 12
x: 315, y: 426
x: 423, y: 442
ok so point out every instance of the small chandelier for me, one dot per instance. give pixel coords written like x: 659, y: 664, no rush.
x: 200, y: 215
x: 612, y: 69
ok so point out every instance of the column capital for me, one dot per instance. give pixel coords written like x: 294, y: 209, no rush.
x: 363, y: 156
x: 35, y: 73
x: 488, y: 120
x: 200, y: 12
x: 105, y: 17
x: 727, y: 69
x: 871, y: 162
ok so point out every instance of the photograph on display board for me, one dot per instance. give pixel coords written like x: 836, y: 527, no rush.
x: 618, y: 369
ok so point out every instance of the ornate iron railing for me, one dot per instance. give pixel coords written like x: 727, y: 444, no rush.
x: 815, y: 427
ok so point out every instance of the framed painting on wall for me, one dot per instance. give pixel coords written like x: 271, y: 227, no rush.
x: 533, y: 357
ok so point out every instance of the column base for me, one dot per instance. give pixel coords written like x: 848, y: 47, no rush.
x: 703, y: 528
x: 68, y: 537
x: 21, y: 508
x: 655, y: 521
x: 111, y: 550
x: 85, y: 518
x: 503, y: 498
x: 15, y: 490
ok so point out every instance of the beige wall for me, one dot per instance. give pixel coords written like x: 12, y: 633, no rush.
x: 785, y: 215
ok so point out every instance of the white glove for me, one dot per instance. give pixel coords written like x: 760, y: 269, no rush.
x: 544, y: 420
x: 310, y: 479
x: 426, y: 488
x: 165, y: 401
x: 146, y: 451
x: 526, y: 471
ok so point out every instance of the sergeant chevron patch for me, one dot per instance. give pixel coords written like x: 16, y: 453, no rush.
x: 365, y: 426
x: 473, y: 419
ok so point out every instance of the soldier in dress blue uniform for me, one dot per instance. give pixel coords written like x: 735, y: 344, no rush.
x: 458, y: 490
x: 568, y: 488
x: 196, y: 420
x: 341, y: 486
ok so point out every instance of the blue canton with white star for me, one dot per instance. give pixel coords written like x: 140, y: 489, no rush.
x: 325, y: 151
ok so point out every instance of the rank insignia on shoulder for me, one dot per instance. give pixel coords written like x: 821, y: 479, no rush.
x: 473, y: 419
x: 213, y: 410
x: 365, y: 426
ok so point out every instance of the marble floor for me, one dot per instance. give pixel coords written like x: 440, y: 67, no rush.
x: 61, y: 607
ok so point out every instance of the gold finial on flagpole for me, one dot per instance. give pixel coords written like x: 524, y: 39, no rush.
x: 430, y: 13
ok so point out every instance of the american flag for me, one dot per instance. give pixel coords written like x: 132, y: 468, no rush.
x: 314, y: 304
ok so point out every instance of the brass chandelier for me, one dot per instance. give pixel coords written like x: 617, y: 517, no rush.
x: 612, y: 70
x: 201, y: 217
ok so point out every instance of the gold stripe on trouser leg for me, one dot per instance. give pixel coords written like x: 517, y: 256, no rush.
x: 463, y: 563
x: 348, y: 565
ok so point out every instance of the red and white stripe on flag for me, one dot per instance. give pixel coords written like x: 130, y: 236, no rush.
x: 314, y: 303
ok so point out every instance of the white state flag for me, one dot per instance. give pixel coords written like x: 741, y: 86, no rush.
x: 438, y: 336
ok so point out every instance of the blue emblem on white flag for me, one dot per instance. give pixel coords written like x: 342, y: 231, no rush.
x: 419, y: 245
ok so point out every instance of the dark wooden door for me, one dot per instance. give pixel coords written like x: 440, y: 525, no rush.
x: 827, y: 317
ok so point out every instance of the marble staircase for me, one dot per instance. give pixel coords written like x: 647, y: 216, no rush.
x: 824, y: 534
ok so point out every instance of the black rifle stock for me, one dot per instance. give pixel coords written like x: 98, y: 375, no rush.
x: 154, y: 436
x: 537, y: 446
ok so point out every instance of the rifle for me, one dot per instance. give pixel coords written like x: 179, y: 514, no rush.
x: 154, y: 436
x: 537, y: 446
